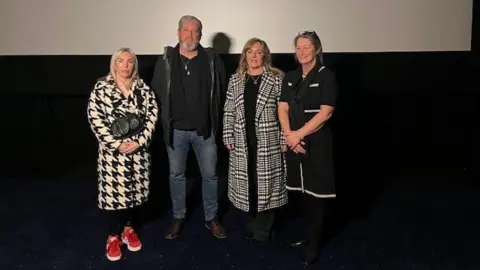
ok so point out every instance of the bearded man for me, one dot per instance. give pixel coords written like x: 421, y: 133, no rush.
x: 190, y: 82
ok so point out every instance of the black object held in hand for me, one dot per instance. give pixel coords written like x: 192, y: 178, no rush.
x: 126, y: 126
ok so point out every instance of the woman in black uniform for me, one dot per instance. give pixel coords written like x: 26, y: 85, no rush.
x: 306, y: 104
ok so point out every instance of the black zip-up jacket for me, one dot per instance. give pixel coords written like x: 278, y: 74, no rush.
x: 161, y: 85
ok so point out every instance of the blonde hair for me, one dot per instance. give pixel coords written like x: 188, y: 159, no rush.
x: 115, y: 57
x: 267, y: 58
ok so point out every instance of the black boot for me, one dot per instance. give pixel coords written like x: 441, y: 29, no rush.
x: 298, y: 243
x: 311, y: 254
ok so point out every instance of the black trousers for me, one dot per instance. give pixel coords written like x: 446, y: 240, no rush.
x: 261, y: 223
x: 314, y: 210
x: 118, y: 219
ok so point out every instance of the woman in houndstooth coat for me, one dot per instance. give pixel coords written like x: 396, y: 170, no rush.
x: 123, y: 164
x: 252, y: 134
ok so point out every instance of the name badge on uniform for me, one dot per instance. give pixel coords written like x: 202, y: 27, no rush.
x: 314, y: 85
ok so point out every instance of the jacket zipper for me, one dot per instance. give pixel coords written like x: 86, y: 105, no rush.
x: 212, y: 87
x: 167, y: 67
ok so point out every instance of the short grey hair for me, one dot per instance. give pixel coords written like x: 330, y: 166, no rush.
x: 189, y: 18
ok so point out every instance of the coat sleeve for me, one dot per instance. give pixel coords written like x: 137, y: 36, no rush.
x: 229, y: 115
x: 145, y: 137
x: 98, y: 120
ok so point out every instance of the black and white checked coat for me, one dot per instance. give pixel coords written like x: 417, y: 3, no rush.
x: 123, y: 179
x: 271, y: 169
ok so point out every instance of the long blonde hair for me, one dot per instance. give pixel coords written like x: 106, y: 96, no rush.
x: 267, y: 58
x: 115, y: 57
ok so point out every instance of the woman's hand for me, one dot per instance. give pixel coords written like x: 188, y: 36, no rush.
x: 123, y: 146
x: 132, y: 147
x: 128, y: 147
x: 230, y: 147
x: 299, y: 148
x: 292, y: 139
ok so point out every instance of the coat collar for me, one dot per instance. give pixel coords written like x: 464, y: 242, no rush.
x: 264, y: 91
x: 111, y: 87
x: 137, y: 83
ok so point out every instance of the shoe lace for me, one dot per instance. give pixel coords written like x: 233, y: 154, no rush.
x: 214, y: 223
x: 131, y: 236
x: 114, y: 245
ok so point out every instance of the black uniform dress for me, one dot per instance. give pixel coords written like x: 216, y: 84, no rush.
x: 311, y: 173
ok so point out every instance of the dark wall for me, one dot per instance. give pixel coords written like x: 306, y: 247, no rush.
x: 397, y: 112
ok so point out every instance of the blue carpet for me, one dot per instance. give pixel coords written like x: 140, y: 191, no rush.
x: 56, y: 225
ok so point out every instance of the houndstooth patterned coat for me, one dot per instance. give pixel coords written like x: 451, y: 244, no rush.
x: 123, y: 179
x: 271, y: 168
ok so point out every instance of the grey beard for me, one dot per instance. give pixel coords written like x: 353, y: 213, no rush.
x: 188, y: 48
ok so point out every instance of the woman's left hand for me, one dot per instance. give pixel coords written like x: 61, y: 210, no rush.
x: 131, y: 147
x: 299, y: 148
x: 292, y: 140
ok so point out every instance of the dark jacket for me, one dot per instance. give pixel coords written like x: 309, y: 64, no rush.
x: 161, y: 85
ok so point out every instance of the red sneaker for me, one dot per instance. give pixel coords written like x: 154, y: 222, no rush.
x: 114, y: 253
x: 130, y: 238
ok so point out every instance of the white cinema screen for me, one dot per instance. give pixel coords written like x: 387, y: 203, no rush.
x: 98, y: 27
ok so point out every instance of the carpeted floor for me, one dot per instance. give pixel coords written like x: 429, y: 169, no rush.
x: 56, y: 225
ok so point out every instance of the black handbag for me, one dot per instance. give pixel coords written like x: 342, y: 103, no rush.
x: 126, y: 126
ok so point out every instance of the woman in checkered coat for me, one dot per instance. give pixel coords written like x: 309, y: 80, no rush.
x: 252, y: 134
x: 123, y: 164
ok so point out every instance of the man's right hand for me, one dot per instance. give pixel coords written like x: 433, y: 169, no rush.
x: 230, y: 147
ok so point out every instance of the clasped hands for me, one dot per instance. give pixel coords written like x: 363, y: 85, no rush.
x: 231, y: 147
x: 128, y: 146
x: 294, y: 142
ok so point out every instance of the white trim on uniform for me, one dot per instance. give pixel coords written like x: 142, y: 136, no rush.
x: 312, y: 193
x: 302, y: 187
x: 303, y: 190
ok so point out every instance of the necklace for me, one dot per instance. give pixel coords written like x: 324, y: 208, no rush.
x: 255, y: 81
x: 186, y: 65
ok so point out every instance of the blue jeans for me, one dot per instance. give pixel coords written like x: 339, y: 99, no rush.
x: 206, y: 153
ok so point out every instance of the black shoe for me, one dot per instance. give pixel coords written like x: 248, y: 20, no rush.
x: 299, y: 243
x: 311, y: 255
